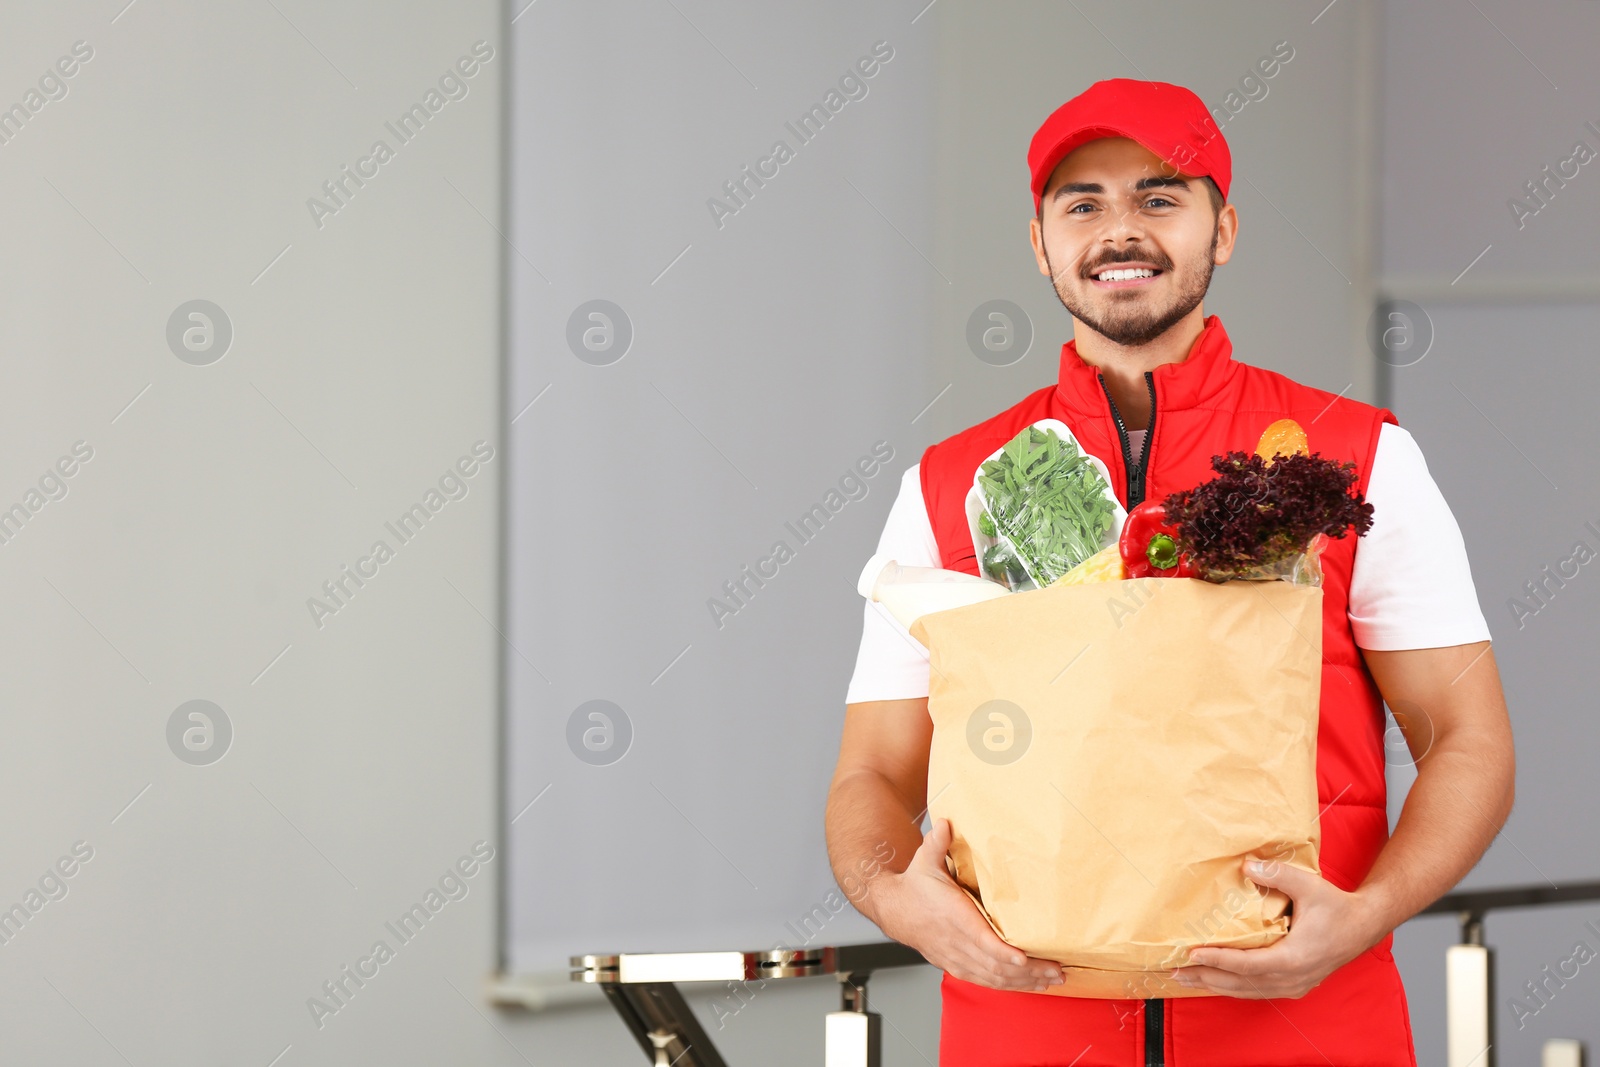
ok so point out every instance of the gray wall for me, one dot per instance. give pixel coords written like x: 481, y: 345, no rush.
x: 219, y: 498
x: 778, y: 355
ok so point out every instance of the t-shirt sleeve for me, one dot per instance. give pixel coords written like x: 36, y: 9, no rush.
x: 891, y: 664
x: 1411, y: 585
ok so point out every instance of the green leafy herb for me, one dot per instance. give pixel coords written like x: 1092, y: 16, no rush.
x: 1047, y: 502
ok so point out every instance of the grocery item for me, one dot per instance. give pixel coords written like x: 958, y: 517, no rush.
x: 1108, y: 754
x: 1104, y: 566
x: 1149, y: 546
x: 911, y: 592
x: 1284, y: 436
x: 1039, y: 506
x: 1260, y: 518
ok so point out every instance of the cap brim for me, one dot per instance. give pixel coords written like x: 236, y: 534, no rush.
x: 1077, y: 139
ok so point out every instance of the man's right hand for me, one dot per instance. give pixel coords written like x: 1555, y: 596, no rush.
x: 927, y: 910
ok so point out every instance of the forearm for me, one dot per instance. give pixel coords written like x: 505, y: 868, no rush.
x: 871, y: 829
x: 1460, y: 799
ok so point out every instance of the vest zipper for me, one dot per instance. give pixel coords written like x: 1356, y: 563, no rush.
x: 1154, y: 1044
x: 1154, y: 1007
x: 1136, y: 474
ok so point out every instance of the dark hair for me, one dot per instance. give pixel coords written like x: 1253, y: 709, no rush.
x: 1212, y: 192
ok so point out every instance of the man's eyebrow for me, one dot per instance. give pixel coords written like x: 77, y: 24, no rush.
x: 1140, y: 186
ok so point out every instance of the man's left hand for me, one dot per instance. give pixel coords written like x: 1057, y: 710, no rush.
x: 1329, y: 928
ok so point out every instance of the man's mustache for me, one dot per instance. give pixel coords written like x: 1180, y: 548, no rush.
x: 1161, y: 263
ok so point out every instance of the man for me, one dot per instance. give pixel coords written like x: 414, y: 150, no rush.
x: 1132, y: 177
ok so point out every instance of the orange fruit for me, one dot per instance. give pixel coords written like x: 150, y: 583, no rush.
x: 1284, y: 437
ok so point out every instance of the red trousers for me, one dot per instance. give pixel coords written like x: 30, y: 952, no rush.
x: 1356, y: 1017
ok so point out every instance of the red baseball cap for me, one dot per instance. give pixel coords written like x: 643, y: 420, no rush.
x: 1167, y: 119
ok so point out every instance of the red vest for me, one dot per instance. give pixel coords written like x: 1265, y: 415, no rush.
x: 1205, y: 405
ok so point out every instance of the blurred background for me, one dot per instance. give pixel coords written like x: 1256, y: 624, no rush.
x: 394, y: 391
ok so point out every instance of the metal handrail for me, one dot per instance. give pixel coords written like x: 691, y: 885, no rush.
x: 1469, y: 966
x: 1479, y: 901
x: 643, y: 988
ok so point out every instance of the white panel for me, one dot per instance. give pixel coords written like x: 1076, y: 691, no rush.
x: 1467, y: 994
x: 681, y: 967
x: 847, y: 1036
x: 1561, y: 1052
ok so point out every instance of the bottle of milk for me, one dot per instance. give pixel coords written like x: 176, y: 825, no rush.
x: 911, y: 592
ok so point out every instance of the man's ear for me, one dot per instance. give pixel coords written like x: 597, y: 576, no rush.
x: 1227, y: 233
x: 1036, y: 236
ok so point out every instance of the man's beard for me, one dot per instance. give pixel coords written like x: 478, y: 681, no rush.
x: 1135, y: 322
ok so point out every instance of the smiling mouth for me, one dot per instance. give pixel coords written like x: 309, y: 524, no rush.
x: 1125, y: 277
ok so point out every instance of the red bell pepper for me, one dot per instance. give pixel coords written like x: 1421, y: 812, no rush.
x: 1149, y: 546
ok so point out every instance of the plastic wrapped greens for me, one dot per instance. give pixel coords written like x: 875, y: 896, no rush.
x: 1041, y: 506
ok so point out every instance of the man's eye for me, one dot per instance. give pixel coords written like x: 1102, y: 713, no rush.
x: 1158, y: 200
x: 1074, y: 208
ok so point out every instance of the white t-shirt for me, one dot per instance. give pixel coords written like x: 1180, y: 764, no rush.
x: 1410, y: 584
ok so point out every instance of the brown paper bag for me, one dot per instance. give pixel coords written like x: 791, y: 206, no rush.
x: 1108, y: 754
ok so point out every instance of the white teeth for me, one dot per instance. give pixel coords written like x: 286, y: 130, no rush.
x: 1124, y: 275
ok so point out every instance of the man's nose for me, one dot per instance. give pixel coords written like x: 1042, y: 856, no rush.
x: 1123, y: 223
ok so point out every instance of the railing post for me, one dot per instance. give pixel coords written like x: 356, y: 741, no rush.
x: 1561, y: 1052
x: 1469, y: 997
x: 853, y: 1036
